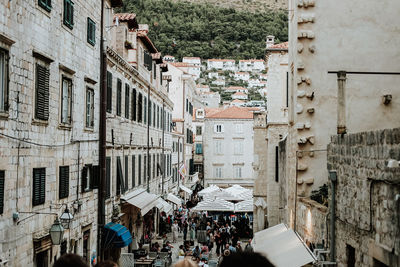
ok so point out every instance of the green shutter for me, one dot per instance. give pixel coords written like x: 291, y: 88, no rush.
x: 68, y: 14
x: 91, y: 31
x: 63, y: 182
x: 84, y: 179
x: 120, y: 178
x: 95, y: 177
x: 127, y: 90
x: 39, y: 186
x: 126, y: 172
x: 42, y: 92
x: 109, y: 91
x: 140, y: 108
x: 46, y: 4
x: 119, y: 92
x: 133, y: 105
x: 133, y: 171
x: 140, y: 170
x: 108, y: 177
x: 2, y: 174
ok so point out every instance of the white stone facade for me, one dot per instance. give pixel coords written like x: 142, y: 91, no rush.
x: 252, y: 65
x: 221, y: 64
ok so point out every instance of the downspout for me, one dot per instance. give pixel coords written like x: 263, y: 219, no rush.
x: 333, y: 178
x: 163, y: 156
x: 179, y: 149
x: 102, y: 139
x: 148, y: 139
x: 341, y: 110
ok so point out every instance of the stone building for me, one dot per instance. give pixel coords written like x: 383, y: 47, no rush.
x: 139, y: 138
x: 228, y: 147
x: 338, y: 84
x: 367, y: 197
x: 275, y: 127
x: 49, y: 114
x: 221, y: 64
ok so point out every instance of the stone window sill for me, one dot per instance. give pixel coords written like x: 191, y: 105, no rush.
x: 4, y: 115
x: 67, y: 127
x: 39, y: 122
x: 88, y: 129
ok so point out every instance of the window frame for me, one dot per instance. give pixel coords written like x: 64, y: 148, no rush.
x: 89, y: 108
x: 5, y: 81
x: 45, y: 4
x: 69, y: 100
x: 127, y: 100
x: 42, y: 113
x: 109, y: 91
x: 63, y: 182
x: 91, y: 31
x: 119, y: 97
x: 68, y: 14
x: 42, y: 186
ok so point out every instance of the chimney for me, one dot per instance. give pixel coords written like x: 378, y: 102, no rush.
x: 144, y: 27
x: 270, y: 41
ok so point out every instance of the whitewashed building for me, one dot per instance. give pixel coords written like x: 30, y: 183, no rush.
x: 244, y: 76
x: 234, y: 89
x: 189, y: 68
x: 210, y: 99
x: 228, y: 147
x: 239, y: 95
x: 252, y: 65
x: 218, y: 82
x: 221, y: 64
x: 196, y: 61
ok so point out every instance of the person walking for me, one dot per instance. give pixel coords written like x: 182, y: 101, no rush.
x: 218, y: 242
x: 185, y: 230
x: 175, y: 231
x: 192, y: 231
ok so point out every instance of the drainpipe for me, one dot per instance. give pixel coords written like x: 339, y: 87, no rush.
x: 179, y: 149
x: 333, y: 178
x: 148, y: 140
x: 163, y: 156
x: 102, y: 138
x: 341, y: 109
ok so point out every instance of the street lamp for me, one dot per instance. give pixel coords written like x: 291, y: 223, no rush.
x: 56, y: 232
x: 66, y: 218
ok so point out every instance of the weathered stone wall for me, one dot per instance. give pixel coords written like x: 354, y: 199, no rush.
x: 366, y: 210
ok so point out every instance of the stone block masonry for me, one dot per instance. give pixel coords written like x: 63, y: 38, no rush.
x: 367, y: 222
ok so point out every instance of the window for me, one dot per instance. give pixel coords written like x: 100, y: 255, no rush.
x: 91, y: 31
x: 127, y: 90
x: 39, y: 186
x: 86, y: 178
x: 218, y: 171
x: 154, y: 115
x: 144, y: 168
x: 238, y: 147
x: 133, y: 171
x: 68, y: 14
x: 238, y: 171
x: 109, y: 91
x: 140, y: 169
x: 4, y: 59
x: 108, y: 177
x: 89, y: 108
x: 140, y: 108
x: 2, y: 179
x: 149, y: 112
x: 239, y: 128
x: 66, y: 101
x: 145, y: 111
x: 119, y: 97
x: 158, y: 117
x: 218, y: 128
x: 120, y: 178
x: 148, y: 61
x: 198, y: 130
x: 187, y: 105
x: 276, y: 164
x: 217, y: 147
x: 63, y: 190
x: 154, y: 166
x: 126, y: 171
x: 46, y: 4
x: 133, y: 111
x: 42, y: 92
x: 199, y: 149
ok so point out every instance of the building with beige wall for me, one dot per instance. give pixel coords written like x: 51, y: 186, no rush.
x: 333, y: 45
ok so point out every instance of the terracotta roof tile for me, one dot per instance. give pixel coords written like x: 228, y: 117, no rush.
x: 239, y: 94
x: 235, y: 88
x: 224, y: 60
x: 127, y: 17
x: 284, y: 45
x: 232, y: 113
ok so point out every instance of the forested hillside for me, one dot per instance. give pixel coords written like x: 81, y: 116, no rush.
x: 187, y: 29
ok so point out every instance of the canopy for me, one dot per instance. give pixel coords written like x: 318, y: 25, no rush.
x: 223, y: 194
x: 116, y: 235
x: 174, y: 199
x: 244, y: 206
x: 187, y: 190
x: 163, y: 205
x: 208, y: 190
x: 214, y: 205
x: 282, y: 246
x: 142, y: 200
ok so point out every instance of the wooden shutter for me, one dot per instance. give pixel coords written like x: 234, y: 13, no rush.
x: 109, y: 91
x: 120, y: 178
x: 42, y: 92
x: 133, y: 105
x: 127, y: 89
x: 119, y: 97
x: 84, y: 179
x: 126, y: 172
x: 140, y: 108
x: 2, y: 174
x: 133, y: 171
x: 63, y: 182
x: 39, y: 186
x: 108, y: 177
x: 95, y: 177
x: 140, y: 170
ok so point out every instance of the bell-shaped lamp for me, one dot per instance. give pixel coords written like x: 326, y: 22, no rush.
x: 56, y: 232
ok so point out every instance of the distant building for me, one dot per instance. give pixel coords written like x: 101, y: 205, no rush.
x: 191, y: 69
x: 168, y: 58
x: 221, y: 64
x: 213, y: 75
x: 240, y: 96
x: 234, y: 89
x: 244, y: 76
x: 228, y: 147
x: 237, y: 103
x: 263, y: 76
x: 219, y: 82
x: 253, y: 65
x: 210, y: 99
x: 196, y: 61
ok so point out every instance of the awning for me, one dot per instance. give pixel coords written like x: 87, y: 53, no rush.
x: 208, y: 190
x: 214, y: 205
x: 282, y: 246
x: 244, y: 206
x: 142, y: 200
x: 163, y: 205
x: 174, y: 199
x: 187, y: 190
x: 116, y: 235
